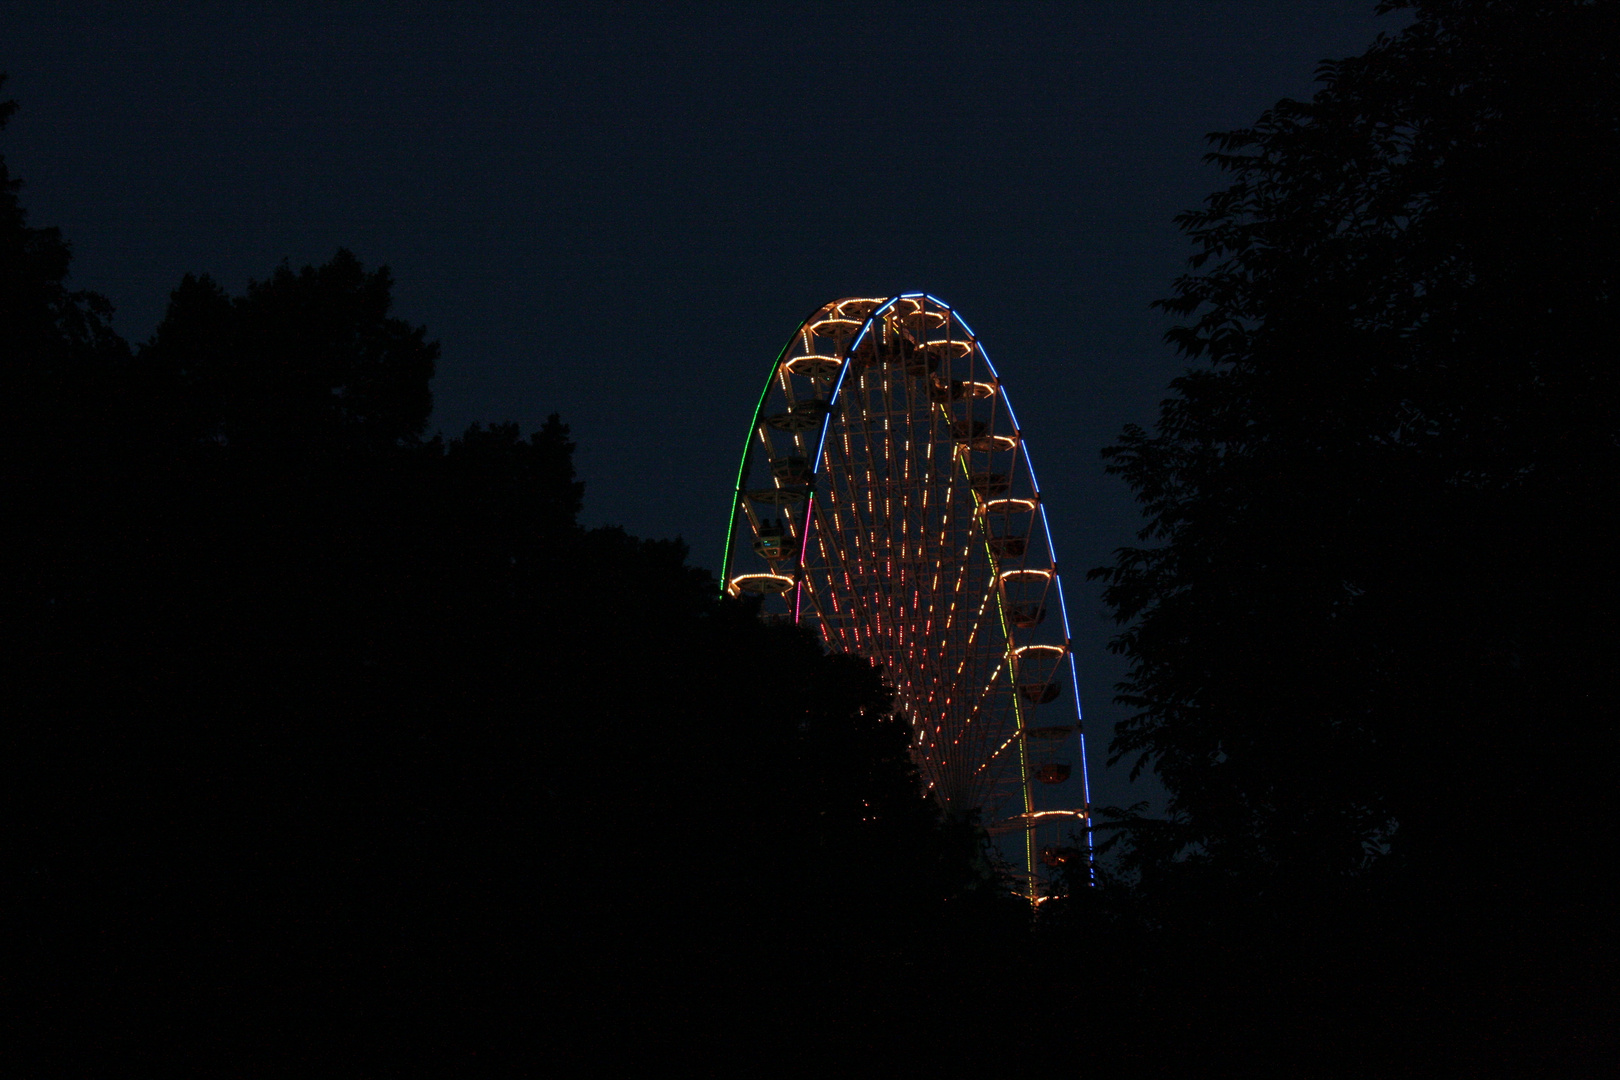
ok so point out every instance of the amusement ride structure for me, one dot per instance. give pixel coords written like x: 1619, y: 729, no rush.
x: 886, y: 498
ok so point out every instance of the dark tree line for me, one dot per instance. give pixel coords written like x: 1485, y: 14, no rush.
x: 321, y: 732
x: 1373, y: 621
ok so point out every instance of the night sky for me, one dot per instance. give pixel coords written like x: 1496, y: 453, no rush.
x: 619, y: 213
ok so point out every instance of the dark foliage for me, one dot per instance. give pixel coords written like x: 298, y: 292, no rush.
x: 306, y: 363
x: 323, y: 735
x: 1370, y: 628
x: 1382, y: 592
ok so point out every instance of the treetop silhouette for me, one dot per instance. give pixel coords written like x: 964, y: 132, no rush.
x: 1370, y: 615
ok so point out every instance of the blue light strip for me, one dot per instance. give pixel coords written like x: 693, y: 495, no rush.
x: 1063, y: 607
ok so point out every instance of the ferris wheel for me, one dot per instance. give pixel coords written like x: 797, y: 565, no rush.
x: 886, y: 498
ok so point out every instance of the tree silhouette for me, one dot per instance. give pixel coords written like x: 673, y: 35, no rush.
x: 313, y: 718
x: 1368, y: 625
x: 1375, y: 618
x: 303, y: 361
x: 45, y: 328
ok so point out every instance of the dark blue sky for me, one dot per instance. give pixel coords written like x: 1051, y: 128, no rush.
x: 620, y: 212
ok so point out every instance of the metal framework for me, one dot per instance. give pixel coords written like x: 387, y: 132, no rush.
x: 886, y: 497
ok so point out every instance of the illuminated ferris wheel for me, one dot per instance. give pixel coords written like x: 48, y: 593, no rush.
x: 886, y: 497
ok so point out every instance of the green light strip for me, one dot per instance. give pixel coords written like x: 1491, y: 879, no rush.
x: 748, y: 448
